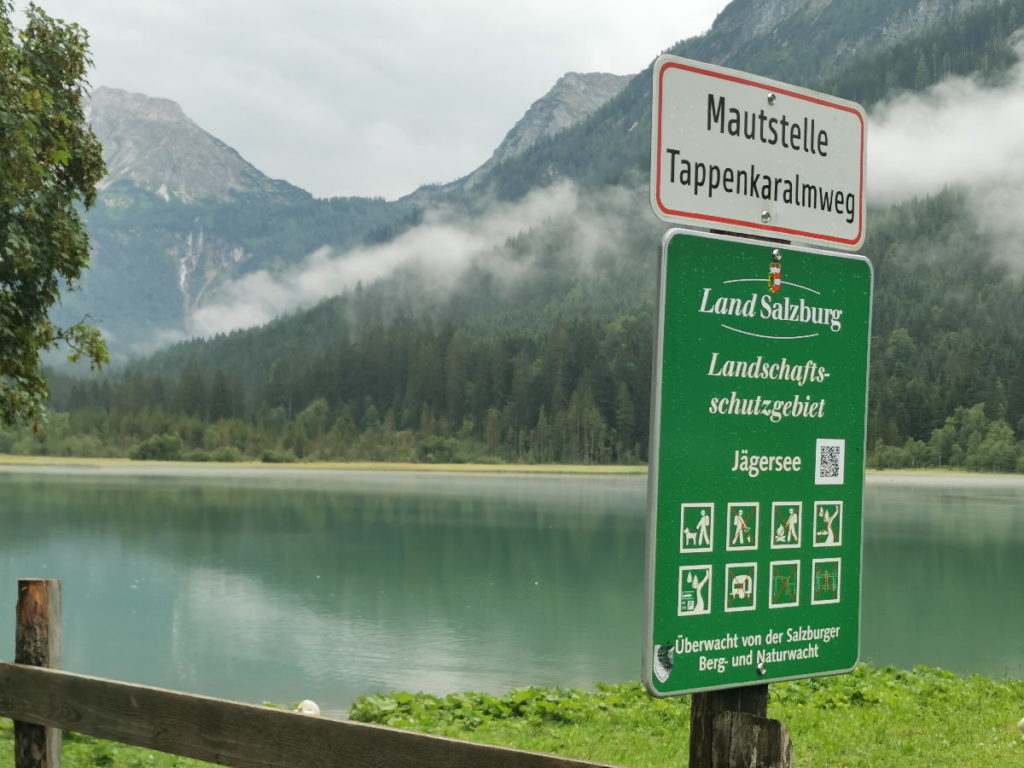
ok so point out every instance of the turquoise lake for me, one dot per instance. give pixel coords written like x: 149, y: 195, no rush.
x: 283, y: 585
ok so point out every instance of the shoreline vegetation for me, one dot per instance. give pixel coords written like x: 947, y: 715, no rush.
x: 15, y: 460
x: 136, y: 466
x: 870, y: 718
x: 969, y: 443
x: 971, y: 439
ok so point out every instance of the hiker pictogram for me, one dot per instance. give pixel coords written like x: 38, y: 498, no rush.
x: 742, y: 526
x: 786, y: 528
x: 696, y: 527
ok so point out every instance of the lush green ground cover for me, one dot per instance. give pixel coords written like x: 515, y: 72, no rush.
x: 85, y: 752
x: 871, y: 718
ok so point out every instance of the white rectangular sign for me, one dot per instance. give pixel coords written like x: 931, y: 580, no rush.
x: 743, y: 153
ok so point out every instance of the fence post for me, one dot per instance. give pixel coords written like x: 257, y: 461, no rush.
x: 37, y: 643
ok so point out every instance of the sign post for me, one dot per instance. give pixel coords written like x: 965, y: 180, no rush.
x: 757, y: 463
x: 747, y: 154
x: 759, y: 400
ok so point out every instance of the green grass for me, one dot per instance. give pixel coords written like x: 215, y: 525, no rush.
x: 85, y: 752
x: 872, y: 718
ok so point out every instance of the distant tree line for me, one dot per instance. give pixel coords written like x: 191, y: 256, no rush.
x: 402, y: 391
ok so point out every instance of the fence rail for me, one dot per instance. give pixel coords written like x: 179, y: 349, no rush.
x: 227, y: 732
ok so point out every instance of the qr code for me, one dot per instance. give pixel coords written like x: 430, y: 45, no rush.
x: 829, y: 463
x: 831, y: 455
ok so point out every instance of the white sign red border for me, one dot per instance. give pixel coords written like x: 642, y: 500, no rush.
x: 724, y: 217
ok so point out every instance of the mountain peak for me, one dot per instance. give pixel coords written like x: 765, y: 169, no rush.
x: 153, y: 144
x: 573, y: 98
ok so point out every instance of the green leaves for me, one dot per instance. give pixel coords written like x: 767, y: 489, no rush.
x: 468, y: 711
x: 50, y: 161
x: 871, y: 717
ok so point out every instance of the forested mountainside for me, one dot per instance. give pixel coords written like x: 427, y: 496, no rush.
x: 350, y: 380
x: 536, y: 347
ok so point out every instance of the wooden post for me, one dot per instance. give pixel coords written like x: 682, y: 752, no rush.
x: 729, y: 729
x: 751, y: 699
x: 743, y: 740
x: 37, y: 643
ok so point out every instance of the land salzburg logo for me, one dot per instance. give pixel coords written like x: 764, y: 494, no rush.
x: 802, y: 309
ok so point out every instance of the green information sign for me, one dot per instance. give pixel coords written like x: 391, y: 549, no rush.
x: 757, y: 464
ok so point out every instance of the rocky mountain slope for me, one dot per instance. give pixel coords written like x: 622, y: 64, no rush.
x: 152, y: 144
x: 574, y: 98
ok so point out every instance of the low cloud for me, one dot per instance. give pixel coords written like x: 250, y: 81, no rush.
x: 958, y: 133
x: 443, y: 247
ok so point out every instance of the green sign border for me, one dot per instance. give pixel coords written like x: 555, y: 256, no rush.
x: 850, y: 270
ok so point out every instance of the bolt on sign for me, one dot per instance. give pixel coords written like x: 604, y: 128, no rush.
x: 738, y: 152
x: 757, y: 464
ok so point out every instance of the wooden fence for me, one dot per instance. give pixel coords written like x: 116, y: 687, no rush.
x: 43, y: 701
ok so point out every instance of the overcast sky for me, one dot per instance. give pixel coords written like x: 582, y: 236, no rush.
x: 372, y: 97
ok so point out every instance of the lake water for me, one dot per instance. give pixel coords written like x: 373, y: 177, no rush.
x: 291, y: 584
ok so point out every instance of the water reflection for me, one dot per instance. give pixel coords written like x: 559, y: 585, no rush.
x: 943, y: 566
x: 281, y: 589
